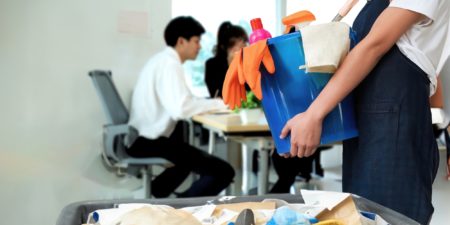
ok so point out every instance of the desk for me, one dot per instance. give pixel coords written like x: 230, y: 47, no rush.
x: 250, y: 136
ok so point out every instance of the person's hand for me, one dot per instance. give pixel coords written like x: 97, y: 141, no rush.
x: 305, y: 129
x: 448, y: 168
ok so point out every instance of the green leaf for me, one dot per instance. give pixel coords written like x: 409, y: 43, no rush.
x: 252, y: 101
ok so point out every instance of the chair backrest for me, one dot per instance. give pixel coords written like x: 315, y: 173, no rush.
x: 115, y: 110
x: 117, y: 131
x: 116, y: 114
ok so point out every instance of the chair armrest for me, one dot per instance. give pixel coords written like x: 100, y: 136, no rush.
x: 110, y: 132
x: 116, y: 129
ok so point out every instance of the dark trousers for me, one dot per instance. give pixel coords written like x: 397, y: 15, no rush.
x: 215, y: 173
x: 288, y: 169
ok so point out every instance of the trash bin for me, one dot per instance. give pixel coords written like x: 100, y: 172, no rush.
x: 77, y: 213
x: 290, y: 90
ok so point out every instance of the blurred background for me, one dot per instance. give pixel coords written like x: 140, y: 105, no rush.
x: 51, y: 119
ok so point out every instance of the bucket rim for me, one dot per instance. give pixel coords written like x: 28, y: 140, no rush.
x: 283, y: 37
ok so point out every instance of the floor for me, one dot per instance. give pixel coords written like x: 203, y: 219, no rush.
x: 32, y: 182
x: 332, y: 162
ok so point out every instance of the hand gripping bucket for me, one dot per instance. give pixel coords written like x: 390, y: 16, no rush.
x: 291, y: 90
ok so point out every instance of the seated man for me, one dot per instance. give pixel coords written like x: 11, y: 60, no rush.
x: 160, y: 99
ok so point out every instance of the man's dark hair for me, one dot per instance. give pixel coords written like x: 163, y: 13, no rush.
x: 182, y: 26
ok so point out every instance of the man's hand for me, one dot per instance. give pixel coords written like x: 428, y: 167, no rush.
x: 305, y: 129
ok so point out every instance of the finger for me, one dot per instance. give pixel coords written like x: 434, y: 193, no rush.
x: 268, y: 61
x: 252, y: 57
x: 310, y: 151
x: 301, y: 151
x: 236, y: 95
x: 293, y: 152
x: 243, y: 92
x: 257, y: 90
x: 240, y: 67
x: 229, y: 77
x: 225, y: 89
x: 249, y: 77
x: 231, y: 97
x: 285, y: 131
x: 240, y: 94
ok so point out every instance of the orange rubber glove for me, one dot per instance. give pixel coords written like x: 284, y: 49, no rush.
x: 253, y: 55
x: 245, y: 69
x: 233, y: 92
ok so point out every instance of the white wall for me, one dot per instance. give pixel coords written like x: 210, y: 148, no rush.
x: 50, y: 115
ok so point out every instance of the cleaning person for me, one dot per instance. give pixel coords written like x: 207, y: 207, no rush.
x: 392, y: 72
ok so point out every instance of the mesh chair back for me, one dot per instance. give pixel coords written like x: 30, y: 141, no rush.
x: 112, y: 104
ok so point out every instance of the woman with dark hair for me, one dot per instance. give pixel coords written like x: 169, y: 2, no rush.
x: 230, y: 38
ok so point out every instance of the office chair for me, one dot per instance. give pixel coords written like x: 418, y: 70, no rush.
x: 116, y: 133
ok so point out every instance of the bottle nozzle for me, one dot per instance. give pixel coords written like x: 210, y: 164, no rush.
x: 256, y: 23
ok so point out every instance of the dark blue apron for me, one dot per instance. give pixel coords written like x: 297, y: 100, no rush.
x: 395, y: 158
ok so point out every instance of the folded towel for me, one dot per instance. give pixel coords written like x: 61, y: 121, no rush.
x: 325, y: 46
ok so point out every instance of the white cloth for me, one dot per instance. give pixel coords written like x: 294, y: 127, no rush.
x: 325, y: 46
x: 424, y: 42
x: 155, y: 215
x: 161, y: 97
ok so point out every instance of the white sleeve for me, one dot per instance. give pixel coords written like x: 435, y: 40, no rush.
x: 429, y: 8
x: 176, y: 97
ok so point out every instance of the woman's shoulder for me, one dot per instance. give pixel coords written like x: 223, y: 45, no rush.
x: 217, y: 59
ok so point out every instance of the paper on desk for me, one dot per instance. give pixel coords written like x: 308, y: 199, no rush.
x: 324, y: 199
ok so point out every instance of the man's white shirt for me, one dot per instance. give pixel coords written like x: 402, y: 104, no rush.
x: 161, y: 97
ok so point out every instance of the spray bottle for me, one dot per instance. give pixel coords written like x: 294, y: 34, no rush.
x: 259, y: 33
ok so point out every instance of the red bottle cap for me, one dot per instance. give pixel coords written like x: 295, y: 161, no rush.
x: 256, y: 23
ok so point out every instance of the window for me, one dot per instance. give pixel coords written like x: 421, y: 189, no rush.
x: 324, y: 10
x: 211, y: 14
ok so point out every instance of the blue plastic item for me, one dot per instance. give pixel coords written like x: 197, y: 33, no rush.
x: 286, y: 216
x: 291, y: 90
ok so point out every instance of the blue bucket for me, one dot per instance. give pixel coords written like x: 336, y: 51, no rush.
x: 291, y: 90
